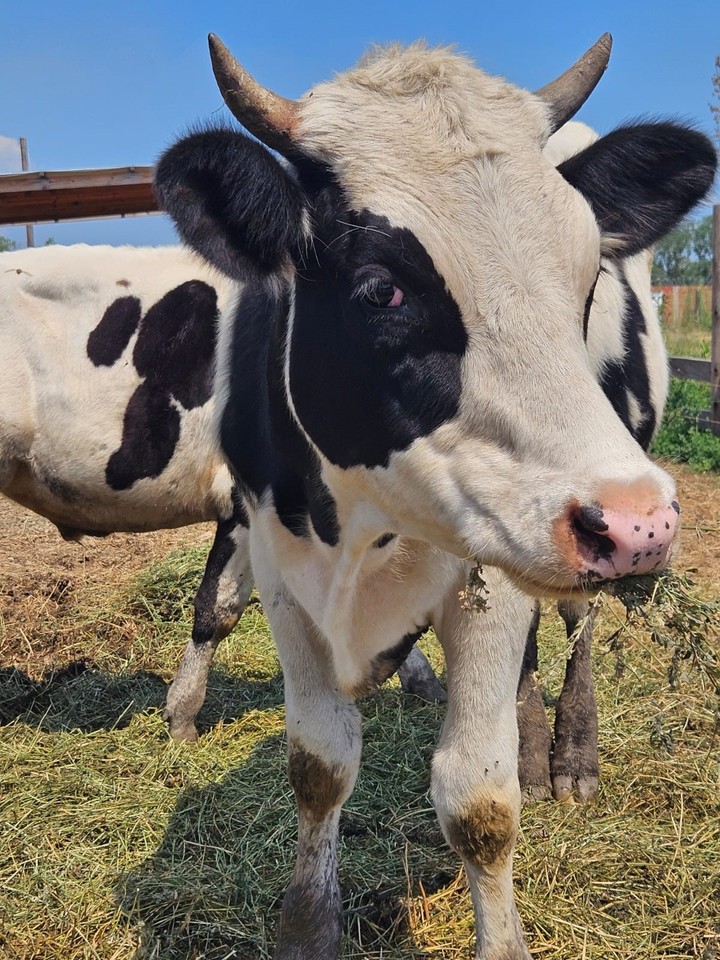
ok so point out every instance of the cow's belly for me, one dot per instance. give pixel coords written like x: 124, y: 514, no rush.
x: 89, y: 507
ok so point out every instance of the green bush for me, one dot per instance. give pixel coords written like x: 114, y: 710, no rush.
x: 679, y: 437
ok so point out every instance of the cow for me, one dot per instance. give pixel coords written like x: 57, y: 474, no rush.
x: 107, y: 420
x: 111, y: 315
x: 405, y: 394
x: 107, y: 409
x: 110, y: 304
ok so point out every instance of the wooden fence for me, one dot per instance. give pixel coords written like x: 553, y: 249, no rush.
x: 75, y: 195
x: 682, y: 305
x: 83, y: 194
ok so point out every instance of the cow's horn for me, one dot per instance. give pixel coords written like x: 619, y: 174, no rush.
x: 268, y: 116
x: 569, y: 92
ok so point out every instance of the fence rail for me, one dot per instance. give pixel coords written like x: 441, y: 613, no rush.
x: 690, y: 368
x: 75, y: 195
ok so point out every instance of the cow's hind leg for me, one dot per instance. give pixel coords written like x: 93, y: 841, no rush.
x: 219, y: 603
x: 533, y: 726
x: 323, y: 741
x: 418, y: 677
x: 574, y: 764
x: 474, y: 778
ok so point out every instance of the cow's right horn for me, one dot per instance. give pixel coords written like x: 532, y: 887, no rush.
x: 268, y: 116
x: 569, y: 92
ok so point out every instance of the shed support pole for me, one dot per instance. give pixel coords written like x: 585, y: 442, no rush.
x: 29, y: 228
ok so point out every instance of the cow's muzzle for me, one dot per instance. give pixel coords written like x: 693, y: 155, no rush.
x: 613, y: 538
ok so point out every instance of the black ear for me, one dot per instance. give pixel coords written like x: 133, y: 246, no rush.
x: 642, y: 180
x: 232, y: 201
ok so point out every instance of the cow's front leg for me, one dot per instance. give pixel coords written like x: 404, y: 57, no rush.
x: 474, y: 778
x: 324, y: 741
x: 533, y: 726
x: 574, y: 766
x: 219, y: 603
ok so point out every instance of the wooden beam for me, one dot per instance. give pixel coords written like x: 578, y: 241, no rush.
x: 75, y: 195
x: 690, y: 368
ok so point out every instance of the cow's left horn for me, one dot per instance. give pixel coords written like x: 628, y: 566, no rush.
x: 267, y: 115
x: 569, y: 92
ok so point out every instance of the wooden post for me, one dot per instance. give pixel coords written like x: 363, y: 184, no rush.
x: 715, y: 341
x: 29, y: 228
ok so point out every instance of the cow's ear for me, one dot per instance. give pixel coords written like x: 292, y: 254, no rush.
x: 642, y: 180
x: 232, y: 202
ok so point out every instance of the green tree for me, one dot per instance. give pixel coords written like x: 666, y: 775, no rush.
x: 6, y: 244
x: 684, y: 256
x: 715, y: 107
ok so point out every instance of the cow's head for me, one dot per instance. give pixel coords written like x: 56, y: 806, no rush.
x: 437, y: 271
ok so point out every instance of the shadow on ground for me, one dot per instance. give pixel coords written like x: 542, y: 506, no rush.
x: 82, y: 697
x: 214, y: 887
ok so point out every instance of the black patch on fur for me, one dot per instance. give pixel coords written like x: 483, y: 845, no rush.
x: 260, y: 438
x: 232, y: 201
x: 175, y: 348
x: 108, y: 340
x: 389, y: 376
x: 151, y: 430
x: 175, y: 353
x: 588, y: 306
x: 385, y: 664
x: 630, y: 373
x: 384, y: 540
x: 641, y: 180
x: 205, y: 623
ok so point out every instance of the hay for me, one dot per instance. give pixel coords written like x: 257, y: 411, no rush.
x: 112, y: 836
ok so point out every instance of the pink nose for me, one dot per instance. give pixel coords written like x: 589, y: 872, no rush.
x: 616, y: 541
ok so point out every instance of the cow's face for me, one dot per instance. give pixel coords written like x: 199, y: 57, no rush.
x: 441, y: 273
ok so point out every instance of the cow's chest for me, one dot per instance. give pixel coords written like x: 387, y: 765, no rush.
x: 368, y: 602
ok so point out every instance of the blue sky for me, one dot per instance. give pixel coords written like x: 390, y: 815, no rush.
x: 108, y: 84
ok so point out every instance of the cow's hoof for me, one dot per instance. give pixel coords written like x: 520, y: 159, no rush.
x: 431, y: 691
x: 582, y: 789
x: 534, y: 761
x: 532, y: 792
x: 183, y: 732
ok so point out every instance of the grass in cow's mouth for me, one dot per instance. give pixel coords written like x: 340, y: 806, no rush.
x: 668, y: 607
x: 111, y: 834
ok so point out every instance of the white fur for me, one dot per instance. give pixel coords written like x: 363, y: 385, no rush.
x: 61, y: 416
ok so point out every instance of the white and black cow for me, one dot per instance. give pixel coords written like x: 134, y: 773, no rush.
x: 405, y: 390
x: 134, y: 322
x: 107, y: 420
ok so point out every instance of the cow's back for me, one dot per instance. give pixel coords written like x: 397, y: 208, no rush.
x: 107, y: 386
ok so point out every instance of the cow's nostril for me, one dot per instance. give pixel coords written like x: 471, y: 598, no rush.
x: 589, y: 529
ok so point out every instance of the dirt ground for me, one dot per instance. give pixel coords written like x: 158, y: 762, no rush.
x: 38, y: 568
x: 40, y: 573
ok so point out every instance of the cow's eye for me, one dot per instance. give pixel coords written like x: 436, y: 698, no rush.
x: 381, y: 294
